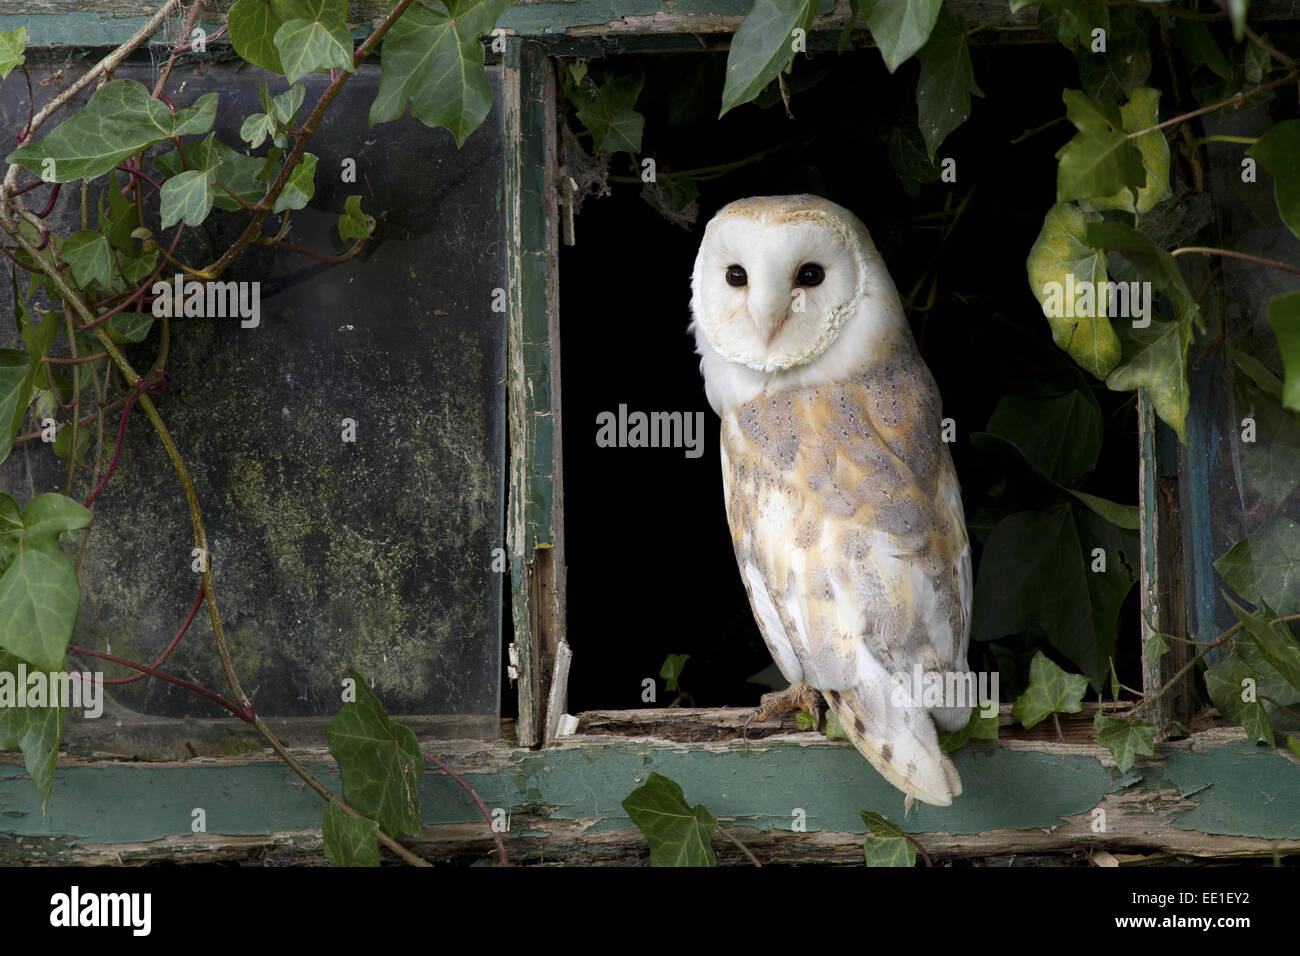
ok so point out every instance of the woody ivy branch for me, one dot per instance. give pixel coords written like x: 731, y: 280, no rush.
x: 132, y: 148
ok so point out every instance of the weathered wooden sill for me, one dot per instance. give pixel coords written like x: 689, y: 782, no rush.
x: 1209, y: 796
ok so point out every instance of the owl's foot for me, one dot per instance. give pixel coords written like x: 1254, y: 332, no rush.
x: 800, y: 696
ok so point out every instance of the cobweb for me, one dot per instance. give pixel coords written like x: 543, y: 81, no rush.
x: 167, y: 36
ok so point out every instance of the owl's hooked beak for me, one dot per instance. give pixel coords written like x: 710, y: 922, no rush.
x: 768, y: 310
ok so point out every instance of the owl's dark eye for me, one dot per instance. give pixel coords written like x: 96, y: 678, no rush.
x: 736, y: 276
x: 810, y: 273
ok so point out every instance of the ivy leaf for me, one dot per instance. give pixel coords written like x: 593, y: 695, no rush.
x: 434, y: 60
x: 1037, y: 571
x: 252, y: 25
x: 1100, y: 160
x: 89, y: 257
x: 978, y: 727
x: 1235, y: 567
x: 1256, y: 63
x: 1122, y: 516
x: 129, y: 326
x: 19, y: 370
x: 1274, y: 641
x: 833, y: 729
x: 1155, y: 647
x: 1059, y: 435
x: 1153, y: 264
x: 36, y: 731
x: 187, y: 197
x: 1259, y: 373
x: 380, y: 762
x: 39, y: 591
x: 1264, y: 568
x: 353, y: 223
x: 1073, y: 21
x: 763, y: 47
x: 1139, y: 113
x: 1156, y: 359
x: 1278, y: 151
x: 313, y: 37
x: 1062, y: 251
x: 678, y: 835
x: 907, y: 154
x: 1233, y: 685
x: 256, y: 128
x: 672, y: 669
x: 946, y: 83
x: 886, y: 846
x: 1125, y: 739
x: 119, y: 219
x: 1050, y: 691
x: 349, y: 841
x: 62, y: 446
x: 285, y: 106
x: 119, y: 121
x: 615, y: 126
x: 901, y: 27
x: 301, y: 186
x: 1200, y: 47
x: 12, y: 45
x: 237, y: 171
x: 1284, y: 317
x: 1125, y: 65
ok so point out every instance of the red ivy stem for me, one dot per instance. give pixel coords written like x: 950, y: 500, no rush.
x: 141, y: 386
x: 30, y: 103
x: 49, y: 376
x: 49, y: 205
x: 247, y: 716
x: 162, y: 658
x: 135, y: 172
x: 501, y: 847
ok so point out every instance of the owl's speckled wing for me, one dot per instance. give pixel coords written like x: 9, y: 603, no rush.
x: 847, y: 522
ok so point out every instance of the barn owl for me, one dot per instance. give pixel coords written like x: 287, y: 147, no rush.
x: 842, y: 500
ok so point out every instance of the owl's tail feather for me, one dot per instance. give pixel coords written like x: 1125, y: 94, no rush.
x: 901, y: 743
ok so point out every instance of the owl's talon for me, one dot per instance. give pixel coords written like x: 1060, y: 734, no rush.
x: 800, y: 696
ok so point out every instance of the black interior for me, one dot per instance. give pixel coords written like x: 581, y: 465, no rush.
x: 650, y: 563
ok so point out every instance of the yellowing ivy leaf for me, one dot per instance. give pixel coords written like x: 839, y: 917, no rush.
x: 1140, y: 112
x: 1155, y: 359
x: 1101, y: 160
x: 12, y: 45
x: 1062, y: 258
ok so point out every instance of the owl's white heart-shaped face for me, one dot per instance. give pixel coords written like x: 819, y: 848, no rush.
x: 791, y: 288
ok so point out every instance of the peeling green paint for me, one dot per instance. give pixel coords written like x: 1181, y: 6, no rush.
x: 1252, y: 793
